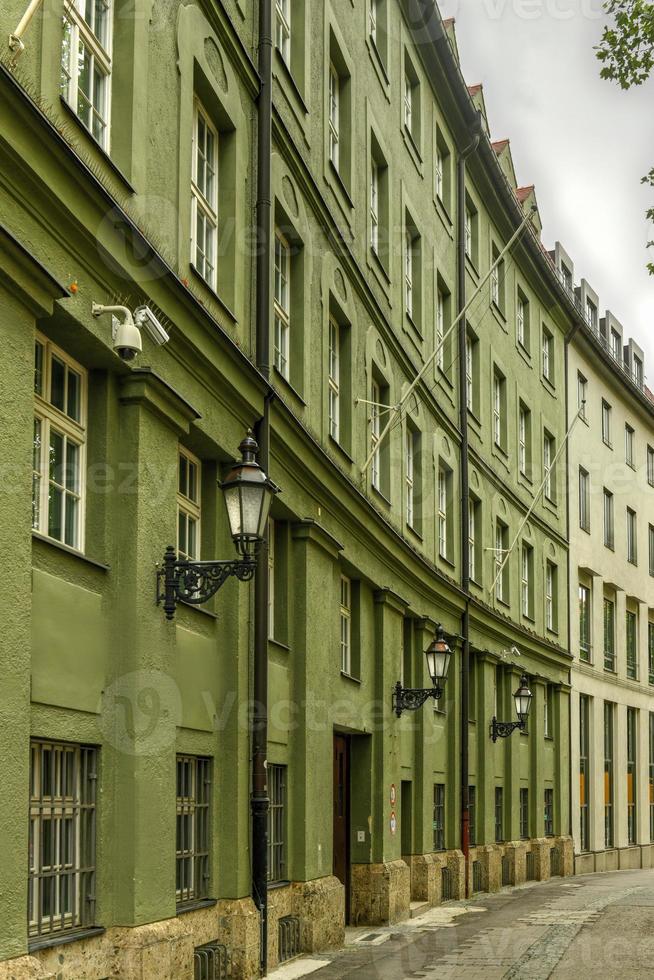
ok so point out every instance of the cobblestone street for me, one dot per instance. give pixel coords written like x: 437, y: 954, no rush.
x: 592, y: 926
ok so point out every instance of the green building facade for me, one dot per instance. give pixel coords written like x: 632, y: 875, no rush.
x: 129, y: 178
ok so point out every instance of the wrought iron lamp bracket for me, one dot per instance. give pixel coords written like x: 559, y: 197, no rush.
x: 410, y: 699
x: 502, y: 729
x: 194, y: 582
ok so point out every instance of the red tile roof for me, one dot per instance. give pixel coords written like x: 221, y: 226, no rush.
x: 499, y: 145
x: 474, y: 89
x: 523, y: 193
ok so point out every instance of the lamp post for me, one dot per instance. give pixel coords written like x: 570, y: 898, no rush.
x: 248, y: 494
x: 438, y: 655
x: 522, y: 698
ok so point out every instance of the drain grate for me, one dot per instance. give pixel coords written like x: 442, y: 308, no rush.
x: 211, y: 962
x: 288, y: 937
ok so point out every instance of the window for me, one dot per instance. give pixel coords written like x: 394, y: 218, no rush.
x: 474, y: 533
x: 62, y: 824
x: 585, y: 634
x: 524, y: 813
x: 566, y: 276
x: 608, y: 774
x: 651, y: 776
x: 374, y: 206
x: 650, y: 466
x: 632, y: 645
x: 412, y: 272
x: 499, y: 409
x: 616, y: 345
x: 282, y: 304
x: 346, y: 624
x: 411, y: 108
x: 440, y: 329
x: 584, y: 500
x: 582, y: 394
x: 548, y: 709
x: 651, y: 549
x: 551, y: 596
x: 439, y: 816
x: 549, y: 452
x: 283, y: 29
x: 277, y: 823
x: 193, y: 828
x: 522, y: 317
x: 609, y: 535
x: 584, y: 770
x: 497, y: 278
x: 471, y: 231
x: 548, y: 352
x: 59, y: 445
x: 591, y: 314
x: 472, y: 815
x: 271, y: 579
x: 334, y: 116
x: 609, y: 634
x: 549, y: 812
x: 334, y: 378
x: 526, y: 591
x: 499, y: 814
x: 375, y: 432
x: 606, y: 423
x: 638, y: 371
x: 524, y: 440
x: 443, y: 171
x: 408, y: 273
x: 412, y: 473
x: 631, y: 775
x: 443, y: 494
x: 650, y: 653
x: 629, y: 446
x: 632, y: 537
x: 471, y: 372
x: 188, y: 506
x: 86, y: 64
x: 204, y: 196
x: 501, y: 548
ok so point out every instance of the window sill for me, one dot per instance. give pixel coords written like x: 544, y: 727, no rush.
x: 548, y: 738
x: 287, y: 384
x: 198, y: 609
x: 415, y: 332
x: 37, y: 536
x: 279, y: 644
x: 61, y: 938
x: 351, y: 677
x: 202, y: 903
x: 415, y: 534
x: 448, y: 561
x: 105, y: 156
x: 444, y: 215
x: 632, y: 466
x: 380, y: 493
x: 524, y: 352
x: 548, y: 385
x: 210, y: 289
x: 412, y: 147
x: 498, y: 313
x: 288, y: 78
x: 378, y: 64
x: 609, y: 445
x: 341, y: 449
x: 379, y: 267
x: 340, y: 183
x: 471, y: 267
x: 274, y: 885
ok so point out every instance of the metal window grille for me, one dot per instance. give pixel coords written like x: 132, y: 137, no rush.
x: 288, y: 937
x: 439, y: 816
x: 531, y: 866
x: 446, y: 885
x: 608, y: 774
x: 62, y: 827
x: 472, y: 815
x: 499, y: 813
x: 211, y: 962
x: 524, y: 812
x: 476, y: 876
x: 277, y: 823
x: 549, y: 812
x: 584, y: 821
x: 193, y: 828
x: 555, y: 863
x: 506, y: 870
x: 631, y: 775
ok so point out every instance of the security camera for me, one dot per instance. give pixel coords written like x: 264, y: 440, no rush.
x: 144, y: 317
x: 125, y: 334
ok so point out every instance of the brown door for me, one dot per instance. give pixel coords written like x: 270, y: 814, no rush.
x: 342, y: 815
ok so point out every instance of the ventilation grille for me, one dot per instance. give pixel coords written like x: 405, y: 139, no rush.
x: 446, y: 885
x: 506, y: 870
x: 289, y: 937
x: 531, y: 866
x: 476, y: 876
x: 211, y: 962
x: 555, y: 863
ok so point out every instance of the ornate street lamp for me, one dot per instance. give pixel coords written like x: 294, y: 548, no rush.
x: 522, y: 698
x: 438, y: 655
x: 248, y: 494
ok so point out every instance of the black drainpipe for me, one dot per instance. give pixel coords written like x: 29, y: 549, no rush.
x: 465, y: 495
x: 259, y: 800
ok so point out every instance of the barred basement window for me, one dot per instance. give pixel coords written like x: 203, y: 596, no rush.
x: 584, y: 769
x: 85, y: 81
x: 58, y: 485
x: 608, y: 774
x: 549, y: 812
x: 609, y: 634
x: 632, y: 645
x: 204, y: 195
x: 62, y: 828
x: 631, y: 775
x: 499, y: 814
x: 193, y: 828
x: 524, y: 813
x: 439, y: 817
x: 277, y: 823
x: 188, y: 506
x: 584, y: 623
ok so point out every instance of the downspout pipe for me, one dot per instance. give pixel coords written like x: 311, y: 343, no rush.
x: 465, y: 493
x: 259, y: 799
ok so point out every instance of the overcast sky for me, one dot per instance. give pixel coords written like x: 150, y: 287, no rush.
x: 582, y: 141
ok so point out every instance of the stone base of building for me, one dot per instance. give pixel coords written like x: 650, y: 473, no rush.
x: 437, y: 877
x: 380, y: 894
x: 320, y: 907
x: 615, y: 859
x: 494, y: 866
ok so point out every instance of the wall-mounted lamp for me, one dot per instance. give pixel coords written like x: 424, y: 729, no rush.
x: 438, y: 654
x: 522, y: 698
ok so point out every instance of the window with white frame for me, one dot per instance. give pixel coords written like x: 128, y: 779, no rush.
x: 591, y: 314
x: 282, y: 304
x: 58, y: 463
x: 606, y: 423
x: 440, y: 328
x: 629, y: 446
x: 548, y: 346
x: 443, y: 480
x: 440, y: 173
x: 523, y: 438
x: 193, y: 835
x: 584, y: 500
x: 374, y: 205
x: 334, y: 378
x: 551, y: 578
x: 472, y: 538
x: 408, y: 272
x: 409, y: 475
x: 522, y: 317
x: 526, y: 582
x: 62, y: 833
x: 616, y: 345
x: 468, y: 231
x: 498, y: 408
x: 86, y: 64
x: 585, y: 622
x: 582, y: 394
x: 283, y: 29
x: 204, y: 195
x: 408, y: 101
x: 632, y: 537
x: 346, y: 624
x: 548, y: 463
x: 188, y: 506
x: 501, y: 567
x: 375, y: 430
x: 470, y: 389
x: 497, y: 278
x: 650, y: 466
x: 374, y: 20
x: 334, y: 115
x: 271, y: 579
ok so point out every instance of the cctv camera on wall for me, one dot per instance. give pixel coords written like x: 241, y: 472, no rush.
x: 125, y: 329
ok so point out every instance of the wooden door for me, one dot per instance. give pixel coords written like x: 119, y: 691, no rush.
x: 342, y: 815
